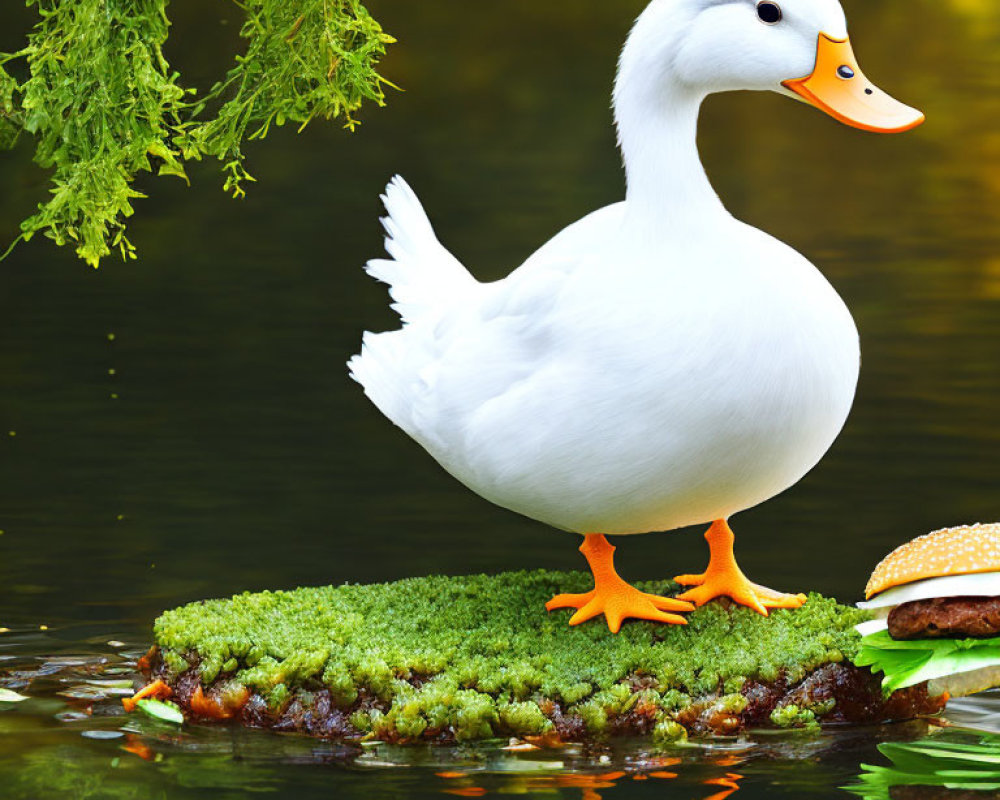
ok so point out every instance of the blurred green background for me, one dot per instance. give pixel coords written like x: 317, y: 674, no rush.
x: 183, y: 426
x: 228, y: 449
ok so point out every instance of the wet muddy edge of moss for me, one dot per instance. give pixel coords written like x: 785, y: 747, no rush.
x: 476, y: 657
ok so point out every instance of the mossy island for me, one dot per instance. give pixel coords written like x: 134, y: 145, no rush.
x: 475, y: 657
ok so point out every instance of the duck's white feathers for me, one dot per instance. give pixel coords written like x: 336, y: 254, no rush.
x: 596, y: 390
x: 657, y: 363
x: 423, y: 277
x: 421, y: 273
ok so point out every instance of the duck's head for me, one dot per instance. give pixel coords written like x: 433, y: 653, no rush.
x: 798, y: 48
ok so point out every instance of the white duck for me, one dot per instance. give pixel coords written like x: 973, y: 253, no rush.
x: 657, y: 363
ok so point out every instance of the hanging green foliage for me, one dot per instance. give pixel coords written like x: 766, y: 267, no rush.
x: 103, y: 104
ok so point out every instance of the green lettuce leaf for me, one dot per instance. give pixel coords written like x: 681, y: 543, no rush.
x: 907, y: 663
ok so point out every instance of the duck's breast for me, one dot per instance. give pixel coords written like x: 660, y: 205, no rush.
x: 651, y: 404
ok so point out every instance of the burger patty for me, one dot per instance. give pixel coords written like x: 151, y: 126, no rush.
x: 946, y: 618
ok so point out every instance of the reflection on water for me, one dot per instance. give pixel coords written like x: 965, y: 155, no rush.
x: 934, y: 768
x: 981, y: 711
x: 74, y: 740
x: 183, y: 427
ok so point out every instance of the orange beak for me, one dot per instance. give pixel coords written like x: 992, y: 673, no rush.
x: 839, y: 87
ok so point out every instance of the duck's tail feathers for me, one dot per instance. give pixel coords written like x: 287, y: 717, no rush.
x: 421, y: 273
x: 377, y: 368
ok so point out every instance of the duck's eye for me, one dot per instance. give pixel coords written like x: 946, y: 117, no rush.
x: 768, y: 12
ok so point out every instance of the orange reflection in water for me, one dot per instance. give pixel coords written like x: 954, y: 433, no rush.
x: 590, y: 783
x: 136, y: 746
x: 728, y: 781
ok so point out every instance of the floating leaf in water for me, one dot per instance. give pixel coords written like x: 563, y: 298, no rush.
x: 58, y: 664
x: 102, y: 734
x: 118, y: 671
x: 158, y: 709
x: 111, y: 683
x: 7, y: 696
x: 85, y: 691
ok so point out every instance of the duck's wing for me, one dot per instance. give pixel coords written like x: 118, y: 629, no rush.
x: 570, y: 248
x: 463, y: 343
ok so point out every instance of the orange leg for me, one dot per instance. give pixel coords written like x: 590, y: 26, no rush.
x: 612, y: 596
x: 724, y: 578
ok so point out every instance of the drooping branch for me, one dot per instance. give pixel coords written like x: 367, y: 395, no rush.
x: 103, y: 104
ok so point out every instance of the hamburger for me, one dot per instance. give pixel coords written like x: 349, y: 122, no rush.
x: 936, y: 602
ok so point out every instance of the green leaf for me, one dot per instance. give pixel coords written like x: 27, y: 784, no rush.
x: 882, y: 639
x: 909, y: 662
x: 158, y: 709
x: 103, y: 104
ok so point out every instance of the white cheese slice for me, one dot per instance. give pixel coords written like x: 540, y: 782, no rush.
x: 981, y: 584
x: 873, y: 626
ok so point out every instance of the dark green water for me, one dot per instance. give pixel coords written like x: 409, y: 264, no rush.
x: 228, y: 450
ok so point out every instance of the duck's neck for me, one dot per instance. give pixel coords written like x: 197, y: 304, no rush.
x: 667, y: 188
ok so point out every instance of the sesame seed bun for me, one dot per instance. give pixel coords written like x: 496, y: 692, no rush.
x: 964, y: 550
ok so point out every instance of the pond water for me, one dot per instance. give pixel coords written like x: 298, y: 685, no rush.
x: 183, y: 427
x: 70, y: 738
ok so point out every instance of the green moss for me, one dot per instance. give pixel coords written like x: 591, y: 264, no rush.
x: 175, y: 662
x: 480, y: 654
x: 524, y: 719
x: 208, y: 670
x: 278, y: 696
x: 792, y: 716
x: 674, y: 700
x: 363, y: 721
x: 732, y: 703
x: 594, y: 715
x: 667, y: 732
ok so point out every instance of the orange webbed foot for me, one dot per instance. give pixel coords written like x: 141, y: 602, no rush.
x: 612, y: 596
x: 748, y: 594
x: 619, y: 603
x: 724, y: 578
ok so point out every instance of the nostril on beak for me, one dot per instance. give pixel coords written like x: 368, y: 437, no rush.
x: 845, y: 72
x: 868, y: 91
